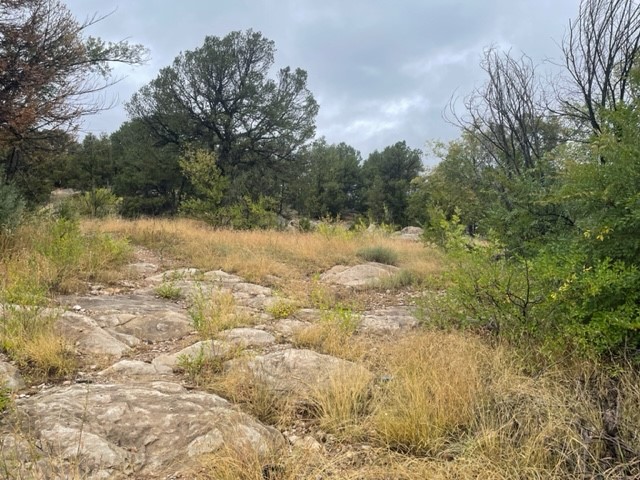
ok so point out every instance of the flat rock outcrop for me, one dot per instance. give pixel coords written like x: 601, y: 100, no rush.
x: 125, y: 431
x: 297, y: 371
x: 388, y: 320
x: 131, y: 420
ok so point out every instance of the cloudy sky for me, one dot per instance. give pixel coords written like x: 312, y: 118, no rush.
x: 381, y: 70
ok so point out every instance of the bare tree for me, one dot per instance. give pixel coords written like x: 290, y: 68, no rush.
x: 600, y: 49
x: 507, y: 114
x: 48, y: 72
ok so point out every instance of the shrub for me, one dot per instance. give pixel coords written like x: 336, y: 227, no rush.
x: 12, y: 207
x: 378, y: 254
x: 97, y: 203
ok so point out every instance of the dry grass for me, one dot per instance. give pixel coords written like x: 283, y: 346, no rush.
x: 213, y: 311
x: 27, y: 335
x: 247, y: 389
x: 286, y: 260
x: 342, y: 405
x: 437, y: 405
x: 433, y: 390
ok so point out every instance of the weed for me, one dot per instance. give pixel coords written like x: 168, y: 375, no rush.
x: 343, y: 317
x: 378, y: 254
x: 5, y: 398
x: 417, y: 410
x: 169, y: 291
x: 282, y: 309
x: 215, y: 311
x: 343, y: 403
x: 244, y: 386
x: 207, y: 363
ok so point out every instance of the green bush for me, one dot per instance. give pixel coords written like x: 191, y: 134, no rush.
x: 12, y: 207
x: 98, y: 203
x: 378, y: 254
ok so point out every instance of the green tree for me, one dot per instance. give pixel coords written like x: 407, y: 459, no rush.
x: 331, y: 183
x: 147, y: 175
x: 457, y: 185
x: 220, y: 96
x: 387, y: 178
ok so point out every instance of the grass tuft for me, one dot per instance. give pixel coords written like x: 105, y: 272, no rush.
x: 378, y: 254
x: 215, y: 311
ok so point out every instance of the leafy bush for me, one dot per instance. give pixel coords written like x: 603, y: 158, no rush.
x: 378, y: 254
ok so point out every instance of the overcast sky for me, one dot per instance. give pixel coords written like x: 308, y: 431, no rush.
x: 381, y: 70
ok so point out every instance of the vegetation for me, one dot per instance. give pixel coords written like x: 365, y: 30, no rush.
x: 526, y: 361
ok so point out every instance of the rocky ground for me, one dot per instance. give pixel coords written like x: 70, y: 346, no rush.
x: 132, y: 413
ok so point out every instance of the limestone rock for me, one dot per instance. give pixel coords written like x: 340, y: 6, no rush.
x: 358, y: 275
x: 388, y: 320
x: 132, y: 368
x: 248, y: 337
x: 87, y: 336
x: 206, y: 349
x: 10, y: 377
x: 288, y: 327
x: 298, y: 371
x: 218, y: 276
x: 157, y: 326
x: 131, y: 317
x: 135, y: 431
x: 174, y: 275
x: 410, y: 233
x: 143, y: 268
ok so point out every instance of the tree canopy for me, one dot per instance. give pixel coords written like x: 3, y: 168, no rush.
x: 220, y: 96
x: 48, y: 71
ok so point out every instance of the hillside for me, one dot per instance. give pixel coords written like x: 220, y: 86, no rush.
x: 172, y: 350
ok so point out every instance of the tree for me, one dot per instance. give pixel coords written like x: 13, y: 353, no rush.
x: 508, y: 116
x: 388, y: 175
x: 457, y: 185
x: 600, y: 50
x: 147, y: 176
x: 331, y: 182
x: 47, y: 71
x: 220, y: 96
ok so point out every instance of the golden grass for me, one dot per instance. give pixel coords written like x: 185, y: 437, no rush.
x: 244, y: 387
x: 27, y: 335
x: 438, y: 405
x: 259, y: 256
x: 433, y: 390
x: 342, y: 404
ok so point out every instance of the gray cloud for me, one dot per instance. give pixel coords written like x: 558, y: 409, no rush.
x: 382, y: 71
